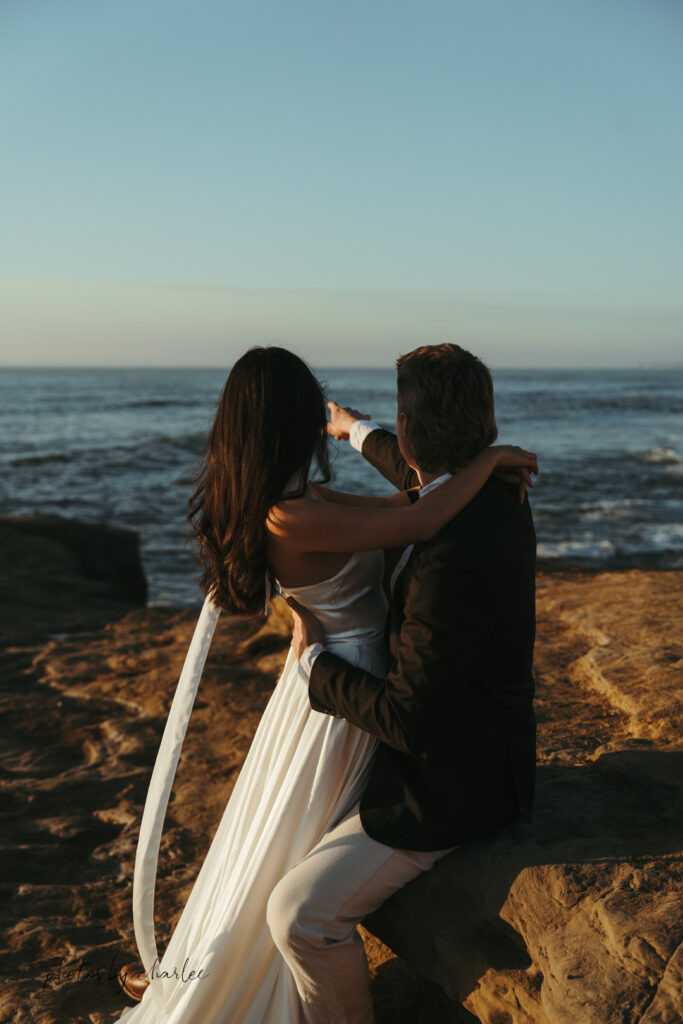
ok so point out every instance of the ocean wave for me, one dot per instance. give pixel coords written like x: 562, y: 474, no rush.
x: 185, y: 443
x: 575, y: 549
x: 664, y: 536
x: 555, y: 405
x: 660, y: 455
x: 39, y: 460
x: 158, y: 403
x: 659, y: 403
x: 611, y: 509
x: 635, y: 541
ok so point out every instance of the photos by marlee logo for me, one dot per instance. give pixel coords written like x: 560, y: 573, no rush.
x: 89, y: 970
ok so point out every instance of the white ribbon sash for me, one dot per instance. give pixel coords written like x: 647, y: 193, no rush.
x: 159, y: 791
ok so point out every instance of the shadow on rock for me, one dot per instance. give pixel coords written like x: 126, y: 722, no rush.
x: 605, y: 841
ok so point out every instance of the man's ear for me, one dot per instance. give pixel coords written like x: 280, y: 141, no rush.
x: 402, y: 426
x: 402, y: 433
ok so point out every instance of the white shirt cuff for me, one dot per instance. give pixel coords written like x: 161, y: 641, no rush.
x: 308, y: 657
x: 359, y: 430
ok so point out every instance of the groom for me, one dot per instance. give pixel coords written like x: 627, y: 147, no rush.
x: 454, y: 715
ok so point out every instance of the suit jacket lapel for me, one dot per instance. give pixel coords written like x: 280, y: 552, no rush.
x: 398, y: 598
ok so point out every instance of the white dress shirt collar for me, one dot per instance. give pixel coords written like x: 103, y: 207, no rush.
x: 435, y: 483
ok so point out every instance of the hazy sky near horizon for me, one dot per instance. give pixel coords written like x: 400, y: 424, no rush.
x: 181, y: 180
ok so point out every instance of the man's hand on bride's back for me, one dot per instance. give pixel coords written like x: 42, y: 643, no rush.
x: 342, y: 418
x: 307, y: 628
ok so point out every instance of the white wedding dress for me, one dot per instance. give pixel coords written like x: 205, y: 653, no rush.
x: 302, y: 773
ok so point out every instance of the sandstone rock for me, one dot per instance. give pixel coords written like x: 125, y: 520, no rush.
x: 59, y: 573
x: 576, y: 917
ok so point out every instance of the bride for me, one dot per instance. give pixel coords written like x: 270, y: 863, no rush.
x: 262, y: 524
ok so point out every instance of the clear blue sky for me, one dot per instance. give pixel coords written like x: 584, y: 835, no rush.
x: 181, y: 180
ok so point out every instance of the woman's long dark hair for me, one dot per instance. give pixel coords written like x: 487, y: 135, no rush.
x: 270, y: 425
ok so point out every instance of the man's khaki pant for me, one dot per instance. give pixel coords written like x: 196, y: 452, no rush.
x: 314, y: 909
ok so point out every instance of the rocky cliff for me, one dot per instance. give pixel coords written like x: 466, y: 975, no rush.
x: 575, y: 917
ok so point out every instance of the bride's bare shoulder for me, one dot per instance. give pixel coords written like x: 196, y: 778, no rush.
x: 290, y: 516
x: 326, y: 520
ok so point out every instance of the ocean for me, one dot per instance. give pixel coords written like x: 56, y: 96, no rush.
x: 119, y: 446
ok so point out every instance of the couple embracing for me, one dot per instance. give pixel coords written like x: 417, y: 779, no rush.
x: 402, y: 725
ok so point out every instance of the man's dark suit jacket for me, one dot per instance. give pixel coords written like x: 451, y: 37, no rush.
x: 457, y: 753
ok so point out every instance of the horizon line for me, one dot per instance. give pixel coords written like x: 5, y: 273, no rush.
x: 329, y: 366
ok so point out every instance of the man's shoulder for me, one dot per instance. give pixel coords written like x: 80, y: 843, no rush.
x: 495, y: 519
x: 496, y: 503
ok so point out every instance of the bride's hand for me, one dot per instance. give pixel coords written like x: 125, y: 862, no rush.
x: 342, y: 419
x: 515, y: 465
